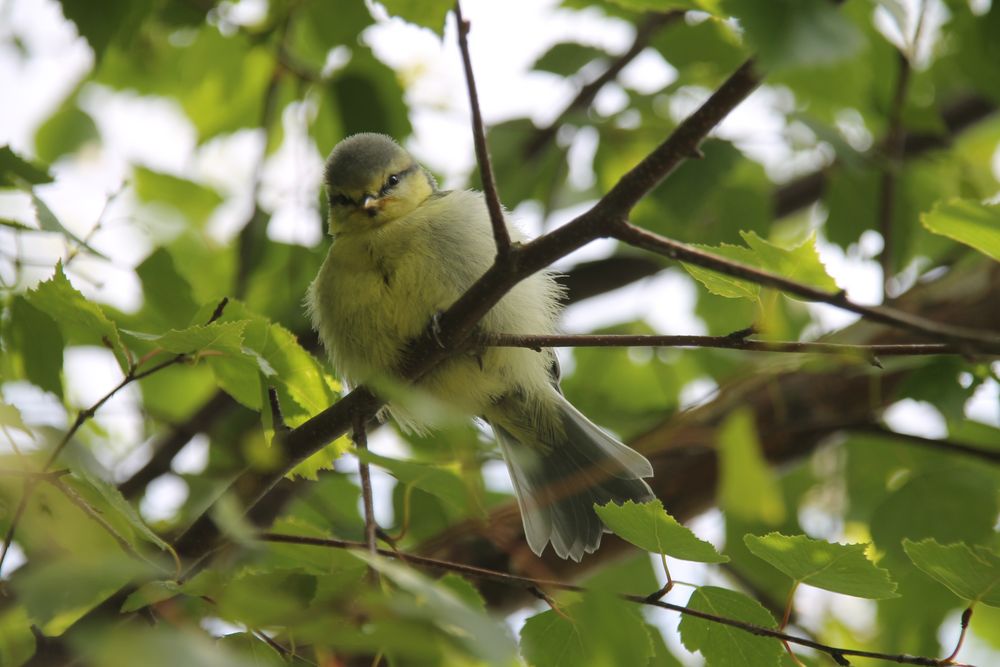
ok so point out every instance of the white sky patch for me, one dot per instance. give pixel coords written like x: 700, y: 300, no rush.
x: 916, y: 418
x: 164, y: 497
x: 193, y: 457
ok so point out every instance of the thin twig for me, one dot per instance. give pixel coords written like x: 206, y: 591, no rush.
x: 972, y: 339
x: 361, y: 441
x: 585, y: 97
x: 966, y: 617
x: 532, y: 584
x: 730, y: 342
x: 277, y: 418
x: 500, y: 234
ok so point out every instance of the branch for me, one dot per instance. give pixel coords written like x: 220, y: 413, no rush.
x: 969, y: 338
x: 585, y: 97
x: 500, y: 234
x: 529, y: 583
x: 946, y: 446
x: 730, y: 342
x: 893, y: 154
x: 361, y: 442
x: 798, y: 410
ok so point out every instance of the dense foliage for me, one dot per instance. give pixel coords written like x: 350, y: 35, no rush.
x: 877, y: 541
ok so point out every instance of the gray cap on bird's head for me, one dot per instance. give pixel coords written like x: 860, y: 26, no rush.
x: 355, y: 159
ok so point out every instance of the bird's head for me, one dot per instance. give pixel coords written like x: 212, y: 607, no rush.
x: 370, y: 181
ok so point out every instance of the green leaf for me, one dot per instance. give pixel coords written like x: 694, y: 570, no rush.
x: 468, y: 593
x: 220, y: 337
x: 720, y: 283
x: 650, y: 527
x: 792, y: 34
x: 167, y: 294
x: 116, y: 18
x: 150, y: 593
x: 318, y: 27
x: 972, y: 573
x: 426, y: 13
x: 48, y: 221
x: 124, y: 509
x: 967, y: 221
x: 482, y: 635
x: 723, y: 645
x: 799, y: 262
x: 949, y: 503
x: 81, y: 321
x: 219, y: 80
x: 35, y: 335
x: 748, y: 489
x: 10, y: 417
x: 161, y: 645
x: 841, y: 568
x: 57, y: 593
x: 16, y: 172
x: 580, y: 636
x: 567, y: 58
x: 64, y: 132
x: 194, y: 201
x: 665, y: 5
x: 438, y: 481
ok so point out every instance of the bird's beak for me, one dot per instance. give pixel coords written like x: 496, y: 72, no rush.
x: 369, y: 202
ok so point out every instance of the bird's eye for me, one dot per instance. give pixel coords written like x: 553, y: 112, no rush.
x: 392, y: 180
x: 339, y: 200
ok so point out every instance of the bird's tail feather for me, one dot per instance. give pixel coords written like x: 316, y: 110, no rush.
x: 557, y: 483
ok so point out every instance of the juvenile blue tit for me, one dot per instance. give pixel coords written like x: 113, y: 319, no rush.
x: 404, y: 251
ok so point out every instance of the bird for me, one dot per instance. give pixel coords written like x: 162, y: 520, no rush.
x: 403, y: 251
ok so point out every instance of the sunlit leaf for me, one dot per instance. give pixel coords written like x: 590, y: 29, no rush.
x: 81, y: 321
x: 723, y: 645
x: 650, y: 527
x: 577, y: 635
x: 841, y: 568
x: 482, y: 635
x: 971, y: 573
x: 967, y: 221
x: 35, y: 335
x: 747, y: 487
x: 427, y: 13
